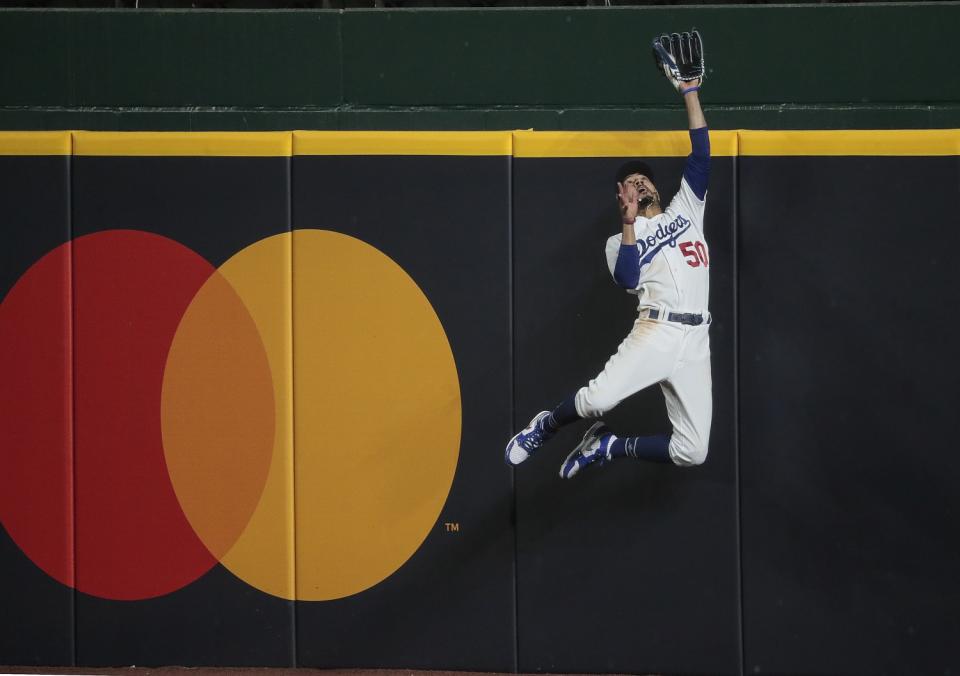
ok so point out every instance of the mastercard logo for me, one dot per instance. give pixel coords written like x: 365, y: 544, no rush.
x: 293, y: 415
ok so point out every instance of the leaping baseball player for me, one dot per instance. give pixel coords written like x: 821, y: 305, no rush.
x: 663, y: 258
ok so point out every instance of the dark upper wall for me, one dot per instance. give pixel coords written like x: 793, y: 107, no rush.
x: 828, y: 66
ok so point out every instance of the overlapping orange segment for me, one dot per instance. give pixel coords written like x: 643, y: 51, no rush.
x: 217, y: 415
x: 263, y: 556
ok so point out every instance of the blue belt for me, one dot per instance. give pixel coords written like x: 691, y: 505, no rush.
x: 687, y: 318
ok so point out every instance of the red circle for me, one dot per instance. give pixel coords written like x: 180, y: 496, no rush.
x: 36, y: 482
x: 130, y: 290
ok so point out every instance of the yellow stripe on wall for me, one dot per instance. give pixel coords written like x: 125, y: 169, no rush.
x: 860, y: 142
x: 183, y: 144
x: 402, y: 143
x: 887, y: 142
x: 28, y: 143
x: 617, y: 143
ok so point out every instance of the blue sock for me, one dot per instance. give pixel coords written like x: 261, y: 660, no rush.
x: 653, y: 448
x: 564, y: 414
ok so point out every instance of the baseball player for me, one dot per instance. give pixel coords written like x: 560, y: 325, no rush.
x: 662, y: 257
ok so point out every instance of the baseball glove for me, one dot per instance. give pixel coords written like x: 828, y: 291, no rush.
x: 680, y: 56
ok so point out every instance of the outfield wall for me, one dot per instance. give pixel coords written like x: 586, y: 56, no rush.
x: 256, y: 389
x: 862, y: 66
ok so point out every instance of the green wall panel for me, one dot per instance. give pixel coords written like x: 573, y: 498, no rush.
x: 583, y: 56
x: 169, y: 58
x: 770, y: 67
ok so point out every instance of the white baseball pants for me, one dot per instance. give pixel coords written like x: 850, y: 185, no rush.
x: 676, y: 356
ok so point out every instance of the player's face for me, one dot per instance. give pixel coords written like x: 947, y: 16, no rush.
x: 646, y: 190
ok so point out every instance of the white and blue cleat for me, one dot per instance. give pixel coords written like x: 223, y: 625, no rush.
x: 530, y: 438
x: 594, y: 448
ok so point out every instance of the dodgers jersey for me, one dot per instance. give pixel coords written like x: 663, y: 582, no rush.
x: 674, y: 257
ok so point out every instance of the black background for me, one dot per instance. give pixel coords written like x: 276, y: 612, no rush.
x: 35, y: 219
x: 849, y: 425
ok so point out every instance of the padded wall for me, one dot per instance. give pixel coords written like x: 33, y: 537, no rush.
x: 256, y: 387
x: 440, y: 212
x: 36, y: 397
x: 848, y: 416
x: 149, y: 231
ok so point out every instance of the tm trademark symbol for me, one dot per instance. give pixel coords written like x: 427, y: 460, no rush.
x: 451, y: 527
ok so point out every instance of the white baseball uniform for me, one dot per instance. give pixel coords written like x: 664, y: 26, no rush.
x: 674, y: 280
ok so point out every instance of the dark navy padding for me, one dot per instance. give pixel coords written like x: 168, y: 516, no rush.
x: 626, y: 272
x: 697, y: 170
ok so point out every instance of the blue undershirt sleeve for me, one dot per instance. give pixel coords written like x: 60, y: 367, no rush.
x: 627, y: 271
x: 697, y: 170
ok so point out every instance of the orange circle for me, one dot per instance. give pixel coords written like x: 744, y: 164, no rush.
x: 312, y: 377
x: 377, y: 415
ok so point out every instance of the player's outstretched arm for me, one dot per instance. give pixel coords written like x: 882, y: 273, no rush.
x: 697, y: 170
x: 691, y: 98
x: 629, y: 201
x: 680, y: 57
x: 626, y: 270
